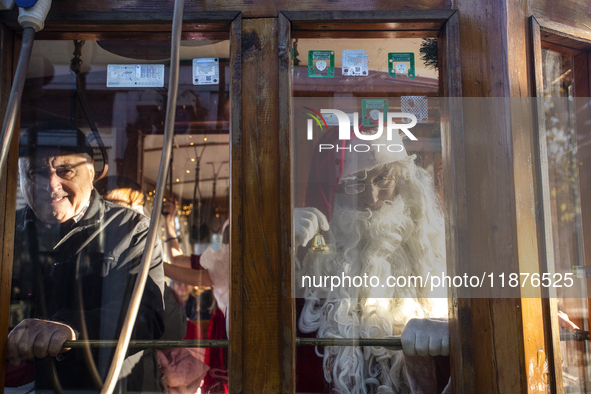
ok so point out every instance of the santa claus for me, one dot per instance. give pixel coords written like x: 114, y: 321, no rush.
x: 380, y: 216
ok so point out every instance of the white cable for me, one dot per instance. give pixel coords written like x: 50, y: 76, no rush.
x: 34, y: 16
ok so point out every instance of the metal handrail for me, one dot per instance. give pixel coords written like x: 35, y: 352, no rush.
x: 138, y: 289
x: 150, y: 343
x: 16, y: 93
x: 393, y: 343
x: 390, y: 343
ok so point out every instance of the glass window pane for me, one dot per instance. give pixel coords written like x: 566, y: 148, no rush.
x: 98, y: 107
x: 368, y: 220
x: 564, y: 151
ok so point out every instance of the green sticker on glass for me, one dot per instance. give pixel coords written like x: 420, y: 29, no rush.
x: 371, y: 109
x: 321, y: 64
x: 401, y: 63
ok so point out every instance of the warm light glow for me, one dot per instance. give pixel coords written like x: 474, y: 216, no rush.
x: 178, y: 180
x: 192, y: 159
x: 191, y: 144
x: 217, y: 215
x: 204, y: 138
x: 188, y: 171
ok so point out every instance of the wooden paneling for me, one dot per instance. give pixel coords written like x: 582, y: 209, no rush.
x: 565, y: 41
x: 259, y: 218
x: 81, y: 19
x: 236, y: 213
x: 491, y: 68
x: 367, y: 34
x: 250, y: 9
x: 530, y: 231
x: 456, y: 220
x: 288, y: 318
x: 572, y: 13
x: 429, y: 20
x: 8, y: 184
x: 137, y: 35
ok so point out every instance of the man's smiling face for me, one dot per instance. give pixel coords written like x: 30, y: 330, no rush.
x: 56, y: 185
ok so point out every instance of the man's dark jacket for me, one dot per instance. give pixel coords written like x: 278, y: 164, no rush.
x: 82, y: 274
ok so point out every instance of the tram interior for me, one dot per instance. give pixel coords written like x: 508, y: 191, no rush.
x: 69, y: 81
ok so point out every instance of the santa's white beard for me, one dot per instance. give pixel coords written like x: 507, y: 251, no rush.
x: 396, y: 240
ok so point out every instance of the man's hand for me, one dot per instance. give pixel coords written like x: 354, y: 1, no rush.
x: 307, y: 221
x: 424, y: 337
x: 37, y: 338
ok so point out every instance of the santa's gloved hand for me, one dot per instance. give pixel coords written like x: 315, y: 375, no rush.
x: 307, y: 222
x: 424, y: 337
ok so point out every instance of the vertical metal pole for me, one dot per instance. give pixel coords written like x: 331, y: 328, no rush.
x: 138, y: 290
x: 16, y: 92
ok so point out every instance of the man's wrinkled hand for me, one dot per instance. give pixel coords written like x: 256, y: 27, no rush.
x: 307, y: 222
x: 37, y: 338
x: 426, y: 337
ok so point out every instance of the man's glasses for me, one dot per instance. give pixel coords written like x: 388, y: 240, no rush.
x: 381, y: 182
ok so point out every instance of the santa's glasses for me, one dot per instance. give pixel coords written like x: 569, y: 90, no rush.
x: 355, y: 187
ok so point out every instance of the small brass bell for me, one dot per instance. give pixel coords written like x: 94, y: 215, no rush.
x: 319, y: 244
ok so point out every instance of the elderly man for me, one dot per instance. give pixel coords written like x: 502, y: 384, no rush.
x: 76, y: 261
x: 385, y: 222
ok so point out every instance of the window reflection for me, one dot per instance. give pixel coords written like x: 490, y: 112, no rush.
x: 378, y: 212
x: 87, y: 274
x: 564, y: 155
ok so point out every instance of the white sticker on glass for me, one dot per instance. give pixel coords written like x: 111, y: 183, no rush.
x: 206, y: 71
x: 135, y: 75
x: 355, y: 63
